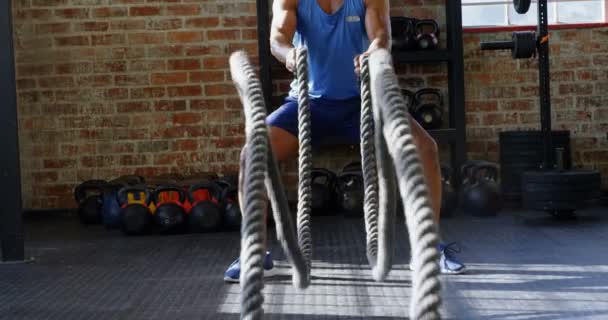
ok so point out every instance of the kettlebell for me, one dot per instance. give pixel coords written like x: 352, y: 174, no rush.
x: 169, y: 216
x: 449, y: 197
x: 89, y: 196
x: 322, y: 185
x: 428, y: 108
x: 427, y: 34
x: 111, y: 207
x: 403, y: 31
x: 134, y: 212
x: 467, y: 179
x: 350, y: 190
x: 482, y: 198
x: 232, y: 211
x: 206, y: 213
x: 230, y: 202
x: 409, y: 99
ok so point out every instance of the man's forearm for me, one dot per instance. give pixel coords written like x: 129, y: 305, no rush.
x: 280, y: 49
x: 381, y: 41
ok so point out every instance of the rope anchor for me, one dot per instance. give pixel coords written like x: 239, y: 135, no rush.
x: 390, y: 163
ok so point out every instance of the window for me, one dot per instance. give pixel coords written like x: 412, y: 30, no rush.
x: 480, y: 13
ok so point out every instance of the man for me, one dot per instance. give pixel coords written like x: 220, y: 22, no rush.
x: 336, y: 33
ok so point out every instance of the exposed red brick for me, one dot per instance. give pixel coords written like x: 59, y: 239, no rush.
x: 183, y: 10
x: 169, y: 78
x: 184, y: 64
x: 184, y: 91
x: 203, y: 22
x: 144, y: 11
x: 184, y: 37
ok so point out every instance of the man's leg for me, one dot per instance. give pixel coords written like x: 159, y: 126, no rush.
x: 284, y: 145
x: 429, y: 156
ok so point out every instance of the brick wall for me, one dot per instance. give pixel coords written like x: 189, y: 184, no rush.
x: 113, y: 87
x: 109, y: 87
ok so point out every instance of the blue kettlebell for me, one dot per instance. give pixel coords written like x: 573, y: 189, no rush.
x: 111, y: 207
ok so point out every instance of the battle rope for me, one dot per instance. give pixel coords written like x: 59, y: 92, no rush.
x: 392, y: 128
x: 258, y: 169
x: 254, y: 156
x: 373, y: 160
x: 390, y: 124
x: 305, y: 158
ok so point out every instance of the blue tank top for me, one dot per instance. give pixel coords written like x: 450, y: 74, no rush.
x: 333, y: 41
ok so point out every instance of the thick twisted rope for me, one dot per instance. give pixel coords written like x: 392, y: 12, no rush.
x: 305, y: 158
x: 254, y: 155
x: 258, y: 169
x: 392, y: 126
x: 372, y: 158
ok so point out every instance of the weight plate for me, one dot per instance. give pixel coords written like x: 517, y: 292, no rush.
x: 551, y: 177
x: 522, y: 6
x: 559, y: 191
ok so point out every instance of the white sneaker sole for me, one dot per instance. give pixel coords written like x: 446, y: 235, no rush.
x: 461, y: 271
x: 267, y: 273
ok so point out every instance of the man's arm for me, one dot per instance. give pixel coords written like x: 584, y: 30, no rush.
x: 377, y: 26
x: 283, y: 28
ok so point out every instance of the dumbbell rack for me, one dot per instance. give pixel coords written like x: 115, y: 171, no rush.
x: 455, y: 134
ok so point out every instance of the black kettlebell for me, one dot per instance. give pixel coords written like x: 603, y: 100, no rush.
x: 409, y: 99
x: 230, y: 203
x: 89, y: 196
x: 449, y: 197
x: 206, y: 213
x: 232, y: 211
x: 322, y: 185
x: 467, y: 179
x: 169, y: 217
x: 427, y: 34
x: 428, y: 108
x: 351, y: 190
x: 403, y: 32
x: 483, y: 198
x: 134, y: 213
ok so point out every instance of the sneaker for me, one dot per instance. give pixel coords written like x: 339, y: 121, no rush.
x: 447, y: 261
x: 233, y: 273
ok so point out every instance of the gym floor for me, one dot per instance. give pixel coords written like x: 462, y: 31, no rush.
x: 521, y: 266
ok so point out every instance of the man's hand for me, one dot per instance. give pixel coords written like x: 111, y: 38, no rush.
x: 290, y: 60
x: 358, y: 61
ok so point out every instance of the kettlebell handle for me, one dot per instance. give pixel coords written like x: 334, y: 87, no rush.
x: 409, y: 96
x: 446, y: 172
x: 467, y: 168
x: 131, y: 180
x: 427, y: 22
x: 122, y: 195
x: 81, y: 189
x: 169, y: 188
x: 354, y: 166
x: 323, y: 173
x: 486, y: 166
x: 212, y: 187
x: 428, y: 92
x: 227, y: 191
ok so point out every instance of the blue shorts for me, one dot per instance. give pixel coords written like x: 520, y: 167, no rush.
x: 333, y: 121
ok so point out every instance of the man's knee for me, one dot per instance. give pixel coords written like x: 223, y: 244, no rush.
x: 283, y: 144
x: 428, y: 146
